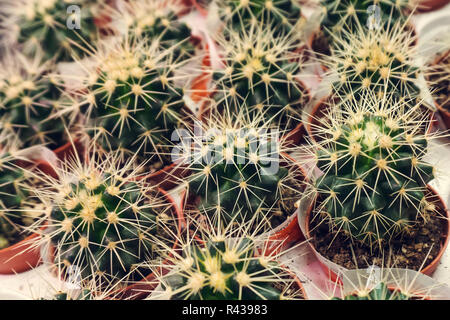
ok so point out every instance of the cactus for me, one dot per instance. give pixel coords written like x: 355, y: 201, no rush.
x: 30, y: 102
x: 135, y: 99
x: 19, y: 209
x: 45, y: 23
x: 380, y: 60
x: 157, y: 20
x: 380, y: 292
x: 240, y: 166
x: 285, y: 15
x: 103, y: 220
x: 260, y: 73
x: 374, y: 182
x: 347, y: 14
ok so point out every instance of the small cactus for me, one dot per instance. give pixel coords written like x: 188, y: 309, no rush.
x: 374, y: 177
x: 103, y: 220
x: 380, y: 292
x: 30, y: 102
x: 157, y: 20
x: 135, y: 99
x: 260, y: 73
x: 379, y: 60
x: 45, y: 24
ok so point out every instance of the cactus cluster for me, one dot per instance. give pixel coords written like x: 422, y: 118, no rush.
x: 260, y: 73
x: 103, y: 220
x: 223, y: 270
x: 30, y: 103
x: 285, y: 15
x: 379, y: 60
x: 374, y: 178
x: 158, y: 20
x: 244, y: 170
x: 135, y: 99
x: 45, y: 24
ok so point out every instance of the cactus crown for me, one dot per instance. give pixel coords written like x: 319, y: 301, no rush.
x: 103, y: 220
x: 342, y: 15
x: 379, y: 292
x: 380, y: 60
x: 283, y: 14
x: 45, y: 23
x: 371, y: 153
x: 241, y: 167
x: 30, y: 103
x: 260, y: 72
x: 157, y: 20
x: 135, y: 98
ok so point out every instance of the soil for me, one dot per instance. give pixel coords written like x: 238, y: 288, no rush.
x: 408, y: 251
x: 440, y: 82
x: 320, y: 44
x: 291, y: 290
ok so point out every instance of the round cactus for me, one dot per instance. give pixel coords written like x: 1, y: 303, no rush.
x: 242, y: 168
x: 31, y: 103
x: 379, y: 60
x: 374, y: 177
x: 103, y: 224
x: 135, y: 99
x: 260, y: 73
x: 157, y: 20
x: 223, y: 270
x: 60, y: 28
x: 379, y: 292
x: 283, y: 14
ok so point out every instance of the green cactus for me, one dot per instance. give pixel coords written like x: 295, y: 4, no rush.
x: 348, y: 14
x: 134, y: 100
x: 374, y: 182
x: 243, y: 169
x: 223, y: 271
x: 43, y: 24
x: 381, y: 61
x: 17, y: 208
x: 380, y: 292
x: 30, y: 102
x: 157, y: 20
x: 101, y: 224
x: 259, y: 74
x: 285, y: 15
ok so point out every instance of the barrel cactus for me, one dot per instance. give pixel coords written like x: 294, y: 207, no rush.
x: 379, y: 292
x: 158, y: 20
x: 374, y: 181
x: 31, y: 102
x: 135, y: 99
x: 223, y: 270
x: 283, y: 14
x: 60, y: 28
x: 260, y: 74
x: 379, y: 60
x: 103, y: 220
x: 242, y: 167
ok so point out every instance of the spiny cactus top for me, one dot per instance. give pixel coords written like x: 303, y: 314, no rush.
x: 58, y: 26
x: 157, y: 20
x: 380, y: 60
x: 283, y: 14
x: 260, y: 74
x: 30, y: 102
x: 103, y: 224
x: 220, y: 270
x: 242, y: 169
x: 348, y: 14
x: 375, y: 178
x: 135, y: 98
x: 17, y: 208
x: 380, y: 292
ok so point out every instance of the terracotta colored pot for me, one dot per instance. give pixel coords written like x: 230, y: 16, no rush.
x: 430, y: 5
x: 200, y: 9
x: 322, y: 108
x: 287, y: 234
x: 24, y: 256
x: 70, y: 150
x: 429, y: 268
